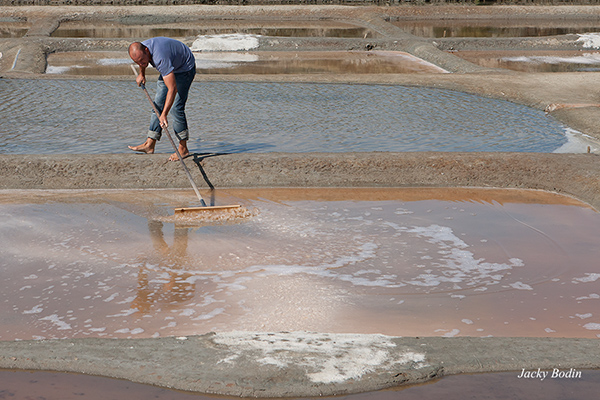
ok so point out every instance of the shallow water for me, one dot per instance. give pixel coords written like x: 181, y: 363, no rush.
x: 32, y: 385
x: 248, y: 62
x: 292, y: 28
x: 496, y: 28
x: 95, y: 117
x: 535, y: 61
x: 13, y: 29
x: 398, y: 262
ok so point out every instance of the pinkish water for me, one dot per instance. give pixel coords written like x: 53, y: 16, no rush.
x: 23, y: 385
x: 401, y: 262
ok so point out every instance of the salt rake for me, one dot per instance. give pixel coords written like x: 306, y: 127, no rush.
x: 183, y: 210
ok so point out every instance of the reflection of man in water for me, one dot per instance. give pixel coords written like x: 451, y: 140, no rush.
x: 177, y: 67
x: 176, y: 289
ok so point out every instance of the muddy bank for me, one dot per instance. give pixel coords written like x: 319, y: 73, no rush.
x: 295, y: 364
x: 572, y: 174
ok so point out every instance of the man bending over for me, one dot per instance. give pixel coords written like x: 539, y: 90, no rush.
x: 177, y: 67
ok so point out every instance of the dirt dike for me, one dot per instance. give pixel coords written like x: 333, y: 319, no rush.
x: 576, y: 175
x: 294, y: 364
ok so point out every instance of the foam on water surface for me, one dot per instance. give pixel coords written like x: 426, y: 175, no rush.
x: 113, y: 264
x: 587, y: 58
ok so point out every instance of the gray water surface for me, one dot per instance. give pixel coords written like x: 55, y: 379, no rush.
x: 94, y: 117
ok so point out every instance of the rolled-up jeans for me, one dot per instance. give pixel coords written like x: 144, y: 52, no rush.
x: 183, y: 80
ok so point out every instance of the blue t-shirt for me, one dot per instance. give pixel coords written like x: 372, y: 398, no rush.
x: 170, y: 55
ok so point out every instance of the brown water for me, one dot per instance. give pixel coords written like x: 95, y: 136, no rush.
x: 496, y: 28
x: 292, y: 28
x: 13, y: 29
x: 399, y: 262
x: 23, y: 385
x: 535, y: 61
x: 106, y: 63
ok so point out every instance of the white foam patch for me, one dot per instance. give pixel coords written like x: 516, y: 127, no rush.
x: 589, y: 59
x: 114, y: 61
x: 591, y: 296
x: 460, y: 264
x: 332, y: 358
x: 332, y: 270
x: 212, y: 314
x: 124, y: 313
x: 51, y: 69
x: 272, y: 361
x: 592, y: 326
x: 578, y: 142
x: 452, y: 333
x: 135, y: 331
x: 590, y: 277
x: 589, y: 40
x: 520, y: 286
x: 56, y: 321
x: 56, y: 70
x: 584, y: 316
x: 35, y: 310
x: 111, y: 298
x: 225, y: 42
x: 188, y: 312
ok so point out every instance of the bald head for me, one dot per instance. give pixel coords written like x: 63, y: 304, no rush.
x: 139, y: 54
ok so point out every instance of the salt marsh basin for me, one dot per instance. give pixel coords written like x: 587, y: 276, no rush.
x: 343, y: 260
x: 399, y: 360
x: 278, y: 117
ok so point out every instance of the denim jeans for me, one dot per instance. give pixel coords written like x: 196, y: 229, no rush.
x: 183, y: 81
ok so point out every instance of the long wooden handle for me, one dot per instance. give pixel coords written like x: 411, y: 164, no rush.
x: 185, y: 168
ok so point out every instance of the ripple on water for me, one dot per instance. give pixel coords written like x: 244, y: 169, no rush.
x: 94, y: 117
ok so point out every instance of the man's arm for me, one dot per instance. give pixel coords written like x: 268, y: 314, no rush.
x: 171, y: 93
x: 141, y: 78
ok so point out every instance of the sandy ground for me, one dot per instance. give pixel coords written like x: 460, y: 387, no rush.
x: 295, y: 364
x: 570, y: 174
x: 262, y: 365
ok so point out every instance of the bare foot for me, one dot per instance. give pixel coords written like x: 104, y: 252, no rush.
x: 183, y: 150
x: 146, y: 147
